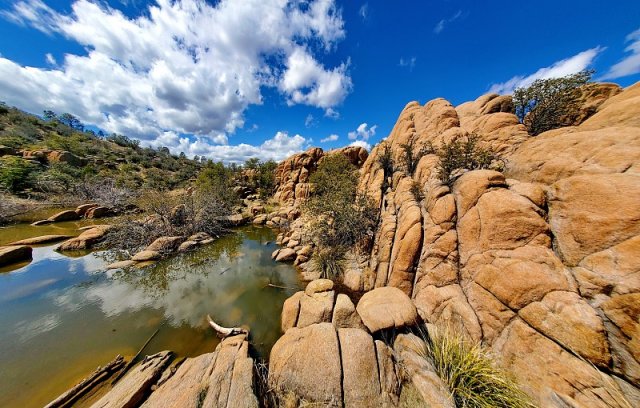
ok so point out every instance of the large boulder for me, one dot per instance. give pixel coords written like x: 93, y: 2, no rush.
x: 86, y: 240
x: 61, y: 156
x: 67, y: 215
x: 41, y: 240
x: 306, y: 362
x: 165, y: 245
x: 386, y: 308
x: 316, y: 305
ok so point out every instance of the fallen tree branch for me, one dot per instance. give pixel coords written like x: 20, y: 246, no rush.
x: 225, y: 331
x: 99, y: 375
x: 271, y: 285
x: 135, y: 358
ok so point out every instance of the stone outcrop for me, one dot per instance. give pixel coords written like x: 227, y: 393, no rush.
x: 86, y: 240
x: 292, y: 174
x: 327, y: 356
x: 538, y: 262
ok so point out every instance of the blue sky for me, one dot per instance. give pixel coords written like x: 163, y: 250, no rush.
x: 234, y: 79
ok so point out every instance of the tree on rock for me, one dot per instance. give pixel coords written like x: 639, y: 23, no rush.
x: 547, y: 103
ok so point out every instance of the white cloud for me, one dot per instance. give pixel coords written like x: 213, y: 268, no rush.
x: 330, y: 138
x: 364, y: 11
x: 50, y: 59
x: 363, y: 132
x: 309, y: 121
x: 306, y: 82
x: 630, y: 64
x: 185, y: 66
x: 559, y: 69
x: 277, y: 148
x: 442, y: 23
x: 408, y: 62
x: 332, y: 114
x: 361, y: 143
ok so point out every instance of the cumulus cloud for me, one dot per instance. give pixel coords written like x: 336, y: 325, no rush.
x: 331, y: 114
x: 559, y: 69
x: 442, y: 23
x: 181, y: 67
x: 630, y: 64
x: 330, y: 138
x: 363, y: 132
x: 279, y: 147
x: 361, y: 143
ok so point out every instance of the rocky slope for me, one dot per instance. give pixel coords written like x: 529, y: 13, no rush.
x: 539, y: 262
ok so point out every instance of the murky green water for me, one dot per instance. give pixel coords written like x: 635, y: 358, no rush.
x: 61, y: 317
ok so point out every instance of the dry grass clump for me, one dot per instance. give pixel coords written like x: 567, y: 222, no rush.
x: 474, y: 379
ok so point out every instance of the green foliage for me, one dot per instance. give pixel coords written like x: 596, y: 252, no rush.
x: 470, y: 373
x: 123, y: 141
x: 547, y: 103
x: 416, y: 191
x: 266, y: 179
x: 462, y: 153
x: 411, y: 155
x: 16, y: 174
x: 58, y: 178
x: 385, y: 161
x: 342, y: 219
x: 216, y: 180
x: 328, y: 261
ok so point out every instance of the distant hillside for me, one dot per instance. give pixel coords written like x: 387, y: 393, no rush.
x: 48, y: 156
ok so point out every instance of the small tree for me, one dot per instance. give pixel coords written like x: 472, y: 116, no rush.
x: 411, y: 155
x: 462, y: 154
x: 342, y: 218
x: 16, y: 174
x: 547, y: 103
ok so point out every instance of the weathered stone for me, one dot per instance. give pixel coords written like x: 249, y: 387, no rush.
x: 43, y: 239
x: 121, y: 264
x: 385, y: 308
x: 165, y: 244
x: 345, y: 315
x: 67, y: 215
x: 360, y: 378
x: 146, y: 255
x: 131, y: 390
x: 98, y: 212
x: 290, y: 311
x: 86, y: 240
x: 306, y: 362
x: 14, y: 254
x: 420, y: 371
x: 316, y: 308
x: 318, y: 285
x: 286, y: 254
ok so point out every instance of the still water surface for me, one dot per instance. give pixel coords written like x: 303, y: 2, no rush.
x: 61, y: 317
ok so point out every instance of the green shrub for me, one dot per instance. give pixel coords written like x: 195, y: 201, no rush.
x: 462, y: 153
x: 341, y: 218
x: 411, y: 155
x: 548, y: 103
x: 16, y: 174
x: 385, y: 160
x: 472, y: 376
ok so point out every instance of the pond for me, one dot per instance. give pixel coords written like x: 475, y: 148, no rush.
x: 62, y: 317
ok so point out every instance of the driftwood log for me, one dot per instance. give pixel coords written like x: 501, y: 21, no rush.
x: 225, y: 331
x: 135, y: 358
x: 98, y: 376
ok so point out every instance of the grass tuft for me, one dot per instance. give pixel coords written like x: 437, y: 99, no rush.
x: 473, y: 378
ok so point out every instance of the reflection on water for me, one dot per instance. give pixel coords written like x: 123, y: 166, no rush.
x: 62, y: 317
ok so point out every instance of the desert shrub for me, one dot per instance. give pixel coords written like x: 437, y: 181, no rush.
x: 411, y: 155
x: 123, y: 141
x: 472, y: 376
x: 416, y: 191
x: 341, y: 218
x: 328, y: 261
x: 385, y: 159
x: 462, y: 153
x: 104, y: 191
x: 216, y: 180
x: 168, y: 215
x: 16, y: 174
x: 58, y: 178
x: 547, y: 103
